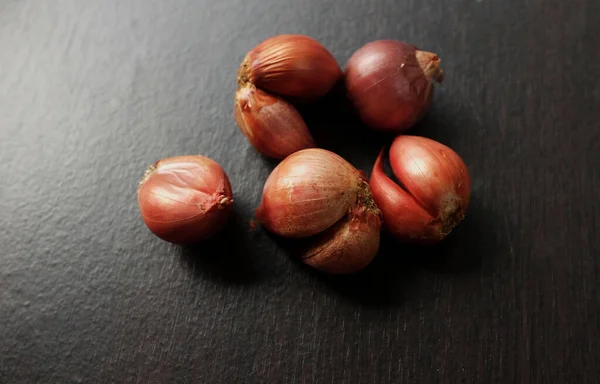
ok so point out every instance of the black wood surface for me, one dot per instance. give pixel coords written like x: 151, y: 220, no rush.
x: 92, y: 92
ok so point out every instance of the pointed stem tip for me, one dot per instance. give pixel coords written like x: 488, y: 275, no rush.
x: 430, y: 64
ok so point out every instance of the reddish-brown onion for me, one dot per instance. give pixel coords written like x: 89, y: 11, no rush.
x: 290, y: 65
x: 434, y: 192
x: 185, y: 199
x: 315, y: 193
x: 390, y: 84
x: 307, y: 193
x: 272, y: 125
x: 349, y: 245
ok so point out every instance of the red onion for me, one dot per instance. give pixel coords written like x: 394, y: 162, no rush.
x: 390, y: 84
x: 272, y: 125
x: 315, y: 192
x: 185, y: 199
x: 290, y: 65
x: 293, y: 66
x: 434, y: 192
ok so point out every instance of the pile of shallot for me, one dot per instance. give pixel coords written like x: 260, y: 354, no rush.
x: 314, y: 194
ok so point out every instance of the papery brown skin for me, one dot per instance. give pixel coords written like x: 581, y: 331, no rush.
x: 349, y: 245
x: 390, y: 83
x: 435, y: 191
x: 185, y: 199
x: 307, y: 193
x: 272, y: 125
x: 290, y: 65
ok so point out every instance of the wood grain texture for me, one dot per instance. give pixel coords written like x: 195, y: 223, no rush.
x: 91, y: 92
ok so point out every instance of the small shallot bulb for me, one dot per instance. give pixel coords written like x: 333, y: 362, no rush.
x: 390, y: 84
x: 185, y: 199
x: 349, y: 245
x: 316, y: 193
x: 272, y: 125
x: 433, y: 194
x: 296, y: 66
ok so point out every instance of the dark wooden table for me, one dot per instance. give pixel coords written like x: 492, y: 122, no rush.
x: 92, y: 92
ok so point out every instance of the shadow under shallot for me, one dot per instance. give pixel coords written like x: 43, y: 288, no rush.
x: 469, y: 248
x: 393, y: 274
x: 227, y: 257
x: 387, y: 281
x: 335, y: 125
x: 384, y: 282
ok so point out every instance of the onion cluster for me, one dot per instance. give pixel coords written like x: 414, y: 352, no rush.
x: 433, y: 194
x: 313, y: 194
x: 296, y: 67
